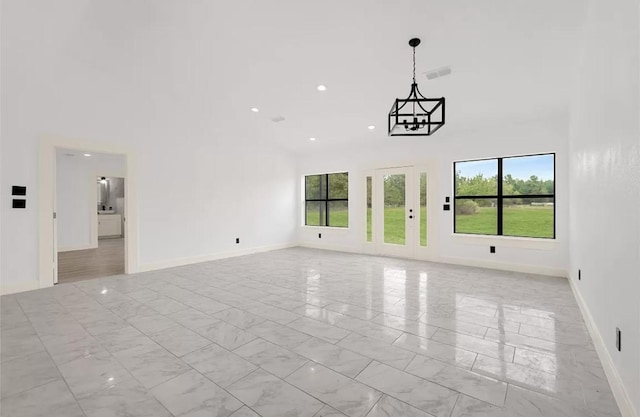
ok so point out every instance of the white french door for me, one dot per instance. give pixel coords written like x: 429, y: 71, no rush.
x: 404, y: 212
x: 395, y: 212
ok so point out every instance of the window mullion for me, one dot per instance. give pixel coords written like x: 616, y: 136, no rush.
x: 500, y: 197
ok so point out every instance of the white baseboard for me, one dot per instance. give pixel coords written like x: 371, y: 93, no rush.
x: 79, y: 247
x: 15, y: 288
x: 617, y: 387
x: 332, y: 247
x: 34, y: 285
x: 211, y: 257
x: 503, y: 266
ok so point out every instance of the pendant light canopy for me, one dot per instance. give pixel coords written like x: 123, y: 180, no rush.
x: 416, y: 115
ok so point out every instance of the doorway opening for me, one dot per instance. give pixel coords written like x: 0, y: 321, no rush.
x: 90, y: 212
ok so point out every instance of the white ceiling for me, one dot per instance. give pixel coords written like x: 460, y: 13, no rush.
x: 211, y: 61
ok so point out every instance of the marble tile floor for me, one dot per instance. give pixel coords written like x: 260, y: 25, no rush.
x: 302, y: 332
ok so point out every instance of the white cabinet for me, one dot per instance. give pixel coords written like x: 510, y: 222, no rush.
x: 109, y: 225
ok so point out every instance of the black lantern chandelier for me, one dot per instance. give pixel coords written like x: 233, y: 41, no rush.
x: 416, y: 115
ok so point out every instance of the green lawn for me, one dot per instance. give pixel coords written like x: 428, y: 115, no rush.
x: 394, y: 225
x: 528, y: 221
x: 394, y: 231
x: 484, y: 222
x: 423, y: 226
x: 524, y: 221
x: 337, y: 218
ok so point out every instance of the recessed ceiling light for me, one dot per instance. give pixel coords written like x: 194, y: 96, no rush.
x: 322, y: 87
x: 371, y: 127
x: 312, y: 139
x: 255, y: 109
x: 87, y: 154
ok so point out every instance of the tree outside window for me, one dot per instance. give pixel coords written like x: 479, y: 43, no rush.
x: 510, y: 196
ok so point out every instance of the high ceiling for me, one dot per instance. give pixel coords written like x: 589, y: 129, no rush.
x: 210, y: 61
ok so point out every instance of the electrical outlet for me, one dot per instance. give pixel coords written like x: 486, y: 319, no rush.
x: 579, y: 275
x: 492, y: 249
x: 237, y: 240
x: 319, y: 235
x: 618, y: 339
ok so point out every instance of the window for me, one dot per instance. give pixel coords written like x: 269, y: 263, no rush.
x: 512, y: 196
x: 395, y: 202
x: 423, y: 209
x: 327, y: 200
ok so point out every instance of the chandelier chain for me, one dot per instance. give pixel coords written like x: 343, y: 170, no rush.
x: 414, y: 64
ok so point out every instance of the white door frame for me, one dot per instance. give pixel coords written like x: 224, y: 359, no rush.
x: 47, y: 204
x: 54, y: 249
x: 412, y: 248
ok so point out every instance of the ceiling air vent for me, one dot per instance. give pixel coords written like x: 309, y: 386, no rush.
x: 438, y: 72
x: 277, y: 119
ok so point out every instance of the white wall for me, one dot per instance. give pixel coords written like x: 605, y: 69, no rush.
x: 210, y: 197
x: 192, y: 203
x: 201, y: 180
x: 76, y: 195
x: 548, y: 135
x: 605, y: 191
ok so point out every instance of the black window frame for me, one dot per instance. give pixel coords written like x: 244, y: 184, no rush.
x: 500, y: 197
x: 325, y: 200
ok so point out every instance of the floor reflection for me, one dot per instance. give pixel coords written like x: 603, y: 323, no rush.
x: 302, y: 329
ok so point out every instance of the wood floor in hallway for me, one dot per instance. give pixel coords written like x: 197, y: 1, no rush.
x: 106, y: 260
